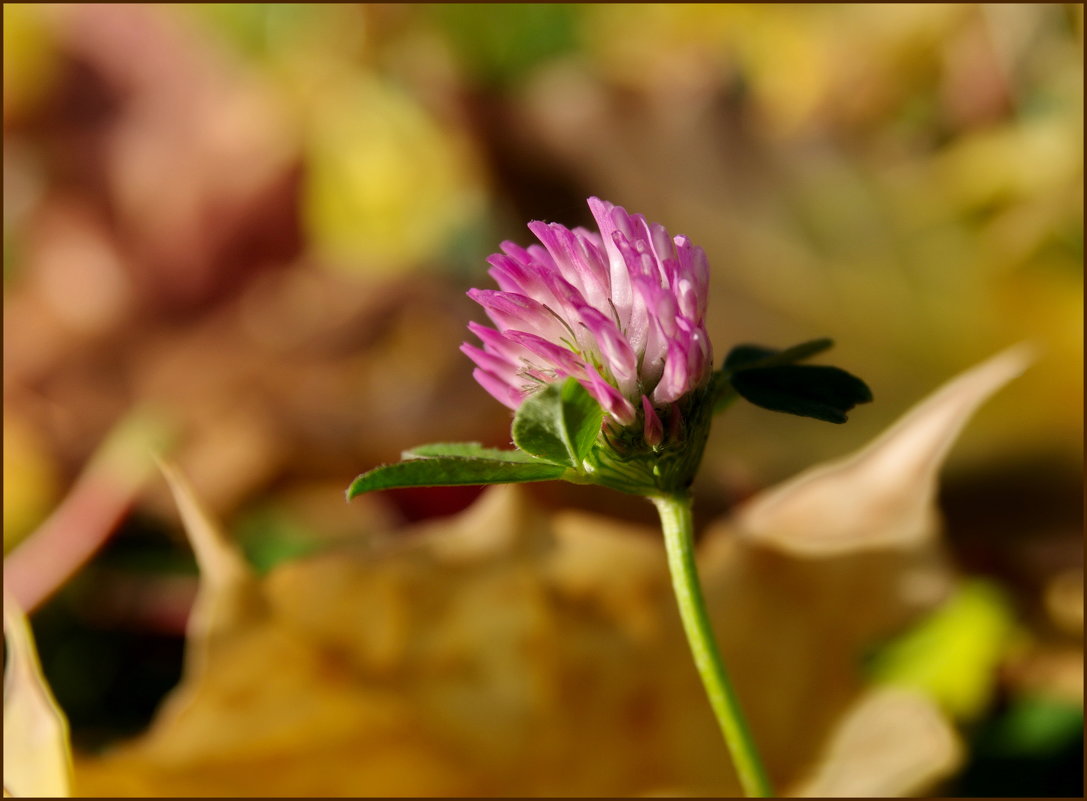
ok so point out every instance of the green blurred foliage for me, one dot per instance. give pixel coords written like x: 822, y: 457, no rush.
x: 270, y: 534
x: 1031, y: 748
x: 1035, y: 724
x: 261, y: 30
x: 501, y: 43
x: 952, y: 655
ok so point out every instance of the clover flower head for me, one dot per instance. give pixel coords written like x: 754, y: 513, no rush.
x: 621, y: 311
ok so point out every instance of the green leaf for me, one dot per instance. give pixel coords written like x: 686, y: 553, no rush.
x: 468, y: 450
x: 743, y: 357
x: 559, y: 423
x: 447, y: 471
x: 747, y: 357
x: 825, y: 393
x: 770, y: 378
x: 583, y: 416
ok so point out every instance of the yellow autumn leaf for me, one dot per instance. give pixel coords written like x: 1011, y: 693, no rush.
x: 30, y: 56
x: 387, y: 185
x: 30, y: 481
x: 37, y: 753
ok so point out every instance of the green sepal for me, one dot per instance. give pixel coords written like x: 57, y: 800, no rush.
x: 448, y: 471
x: 559, y: 423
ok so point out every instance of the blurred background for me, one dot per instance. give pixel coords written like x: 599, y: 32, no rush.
x: 244, y: 233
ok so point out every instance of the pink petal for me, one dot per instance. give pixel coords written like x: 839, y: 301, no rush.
x: 502, y: 392
x: 615, y: 351
x: 608, y: 397
x: 560, y: 357
x: 513, y: 310
x: 693, y: 265
x: 533, y: 254
x: 496, y: 342
x: 618, y: 274
x: 510, y: 275
x: 654, y: 431
x: 663, y: 246
x: 675, y: 379
x: 585, y: 270
x: 660, y: 324
x: 497, y: 366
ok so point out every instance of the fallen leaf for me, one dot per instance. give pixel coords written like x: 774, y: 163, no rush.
x: 37, y: 753
x: 893, y: 742
x: 885, y: 494
x: 510, y: 648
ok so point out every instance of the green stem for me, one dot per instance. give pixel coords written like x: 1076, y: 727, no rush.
x: 675, y: 515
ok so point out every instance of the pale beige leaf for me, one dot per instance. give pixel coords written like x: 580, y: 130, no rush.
x: 884, y: 494
x: 228, y: 599
x: 37, y: 753
x: 892, y: 743
x: 228, y: 587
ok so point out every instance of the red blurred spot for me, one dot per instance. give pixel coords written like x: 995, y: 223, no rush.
x: 421, y: 503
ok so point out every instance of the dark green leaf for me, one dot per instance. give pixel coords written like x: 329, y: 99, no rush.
x: 748, y: 357
x: 744, y: 357
x: 468, y: 450
x: 559, y: 423
x: 445, y: 471
x: 825, y: 393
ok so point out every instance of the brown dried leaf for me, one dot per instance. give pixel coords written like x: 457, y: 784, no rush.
x: 504, y: 648
x: 508, y: 649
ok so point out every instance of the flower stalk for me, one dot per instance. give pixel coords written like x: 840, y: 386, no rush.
x: 676, y: 522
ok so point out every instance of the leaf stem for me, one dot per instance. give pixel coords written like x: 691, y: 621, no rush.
x: 676, y: 522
